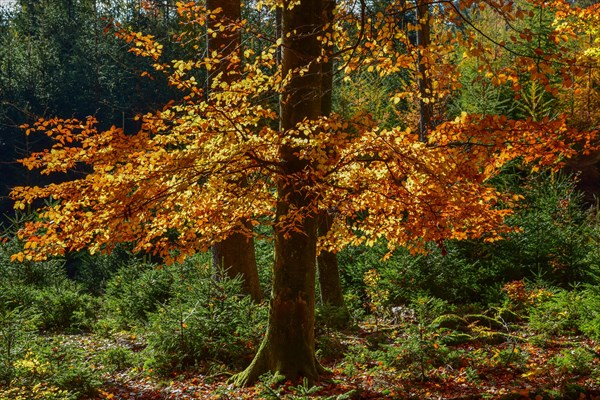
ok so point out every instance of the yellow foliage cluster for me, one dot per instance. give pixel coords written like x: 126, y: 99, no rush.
x: 208, y: 166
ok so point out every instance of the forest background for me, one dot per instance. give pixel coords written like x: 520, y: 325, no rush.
x: 441, y: 317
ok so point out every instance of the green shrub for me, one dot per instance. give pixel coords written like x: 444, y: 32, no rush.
x: 53, y: 368
x: 556, y: 230
x: 330, y: 317
x: 43, y: 289
x: 413, y: 351
x: 415, y: 356
x: 135, y: 291
x: 34, y: 274
x: 567, y: 312
x: 60, y: 308
x: 420, y: 348
x: 511, y: 356
x: 557, y: 314
x: 264, y: 261
x: 575, y: 361
x: 16, y: 331
x: 63, y: 307
x: 94, y: 271
x: 589, y: 314
x: 118, y: 358
x: 206, y: 321
x: 557, y: 242
x: 330, y: 347
x: 14, y: 294
x: 41, y: 391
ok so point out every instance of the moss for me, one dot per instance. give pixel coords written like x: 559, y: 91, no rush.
x: 485, y: 321
x: 450, y: 321
x: 456, y: 338
x: 505, y: 315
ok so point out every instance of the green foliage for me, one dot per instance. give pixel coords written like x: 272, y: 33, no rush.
x: 16, y: 331
x: 452, y: 276
x: 557, y: 242
x: 118, y: 358
x: 557, y: 315
x: 330, y: 346
x: 416, y: 356
x: 265, y: 257
x: 368, y: 92
x: 38, y: 274
x: 40, y: 391
x: 419, y: 349
x: 567, y: 312
x: 64, y: 308
x: 377, y: 295
x: 43, y: 289
x: 207, y: 320
x: 270, y: 386
x: 427, y: 309
x: 536, y: 103
x: 511, y: 356
x: 94, y: 271
x: 52, y: 369
x: 329, y: 316
x: 135, y: 291
x: 412, y: 349
x: 304, y: 391
x: 589, y: 321
x: 575, y: 361
x: 590, y: 270
x: 480, y: 95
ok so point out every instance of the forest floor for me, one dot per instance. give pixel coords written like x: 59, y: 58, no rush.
x: 374, y: 362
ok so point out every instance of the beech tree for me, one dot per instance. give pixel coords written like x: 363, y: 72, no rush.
x: 213, y: 164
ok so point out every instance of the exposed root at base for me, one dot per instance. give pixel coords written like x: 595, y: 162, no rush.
x: 258, y: 367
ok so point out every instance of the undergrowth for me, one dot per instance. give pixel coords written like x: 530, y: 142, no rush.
x: 527, y: 307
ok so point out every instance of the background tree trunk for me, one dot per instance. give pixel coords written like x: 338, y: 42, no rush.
x: 329, y: 273
x: 423, y: 80
x: 329, y: 277
x: 288, y: 348
x: 234, y: 255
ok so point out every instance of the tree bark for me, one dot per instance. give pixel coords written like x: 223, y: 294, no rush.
x: 288, y: 347
x: 423, y: 80
x: 234, y: 255
x: 329, y: 277
x: 329, y: 273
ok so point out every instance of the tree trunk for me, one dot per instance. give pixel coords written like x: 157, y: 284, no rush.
x: 329, y: 273
x: 329, y: 278
x: 235, y: 254
x: 288, y: 348
x: 423, y: 80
